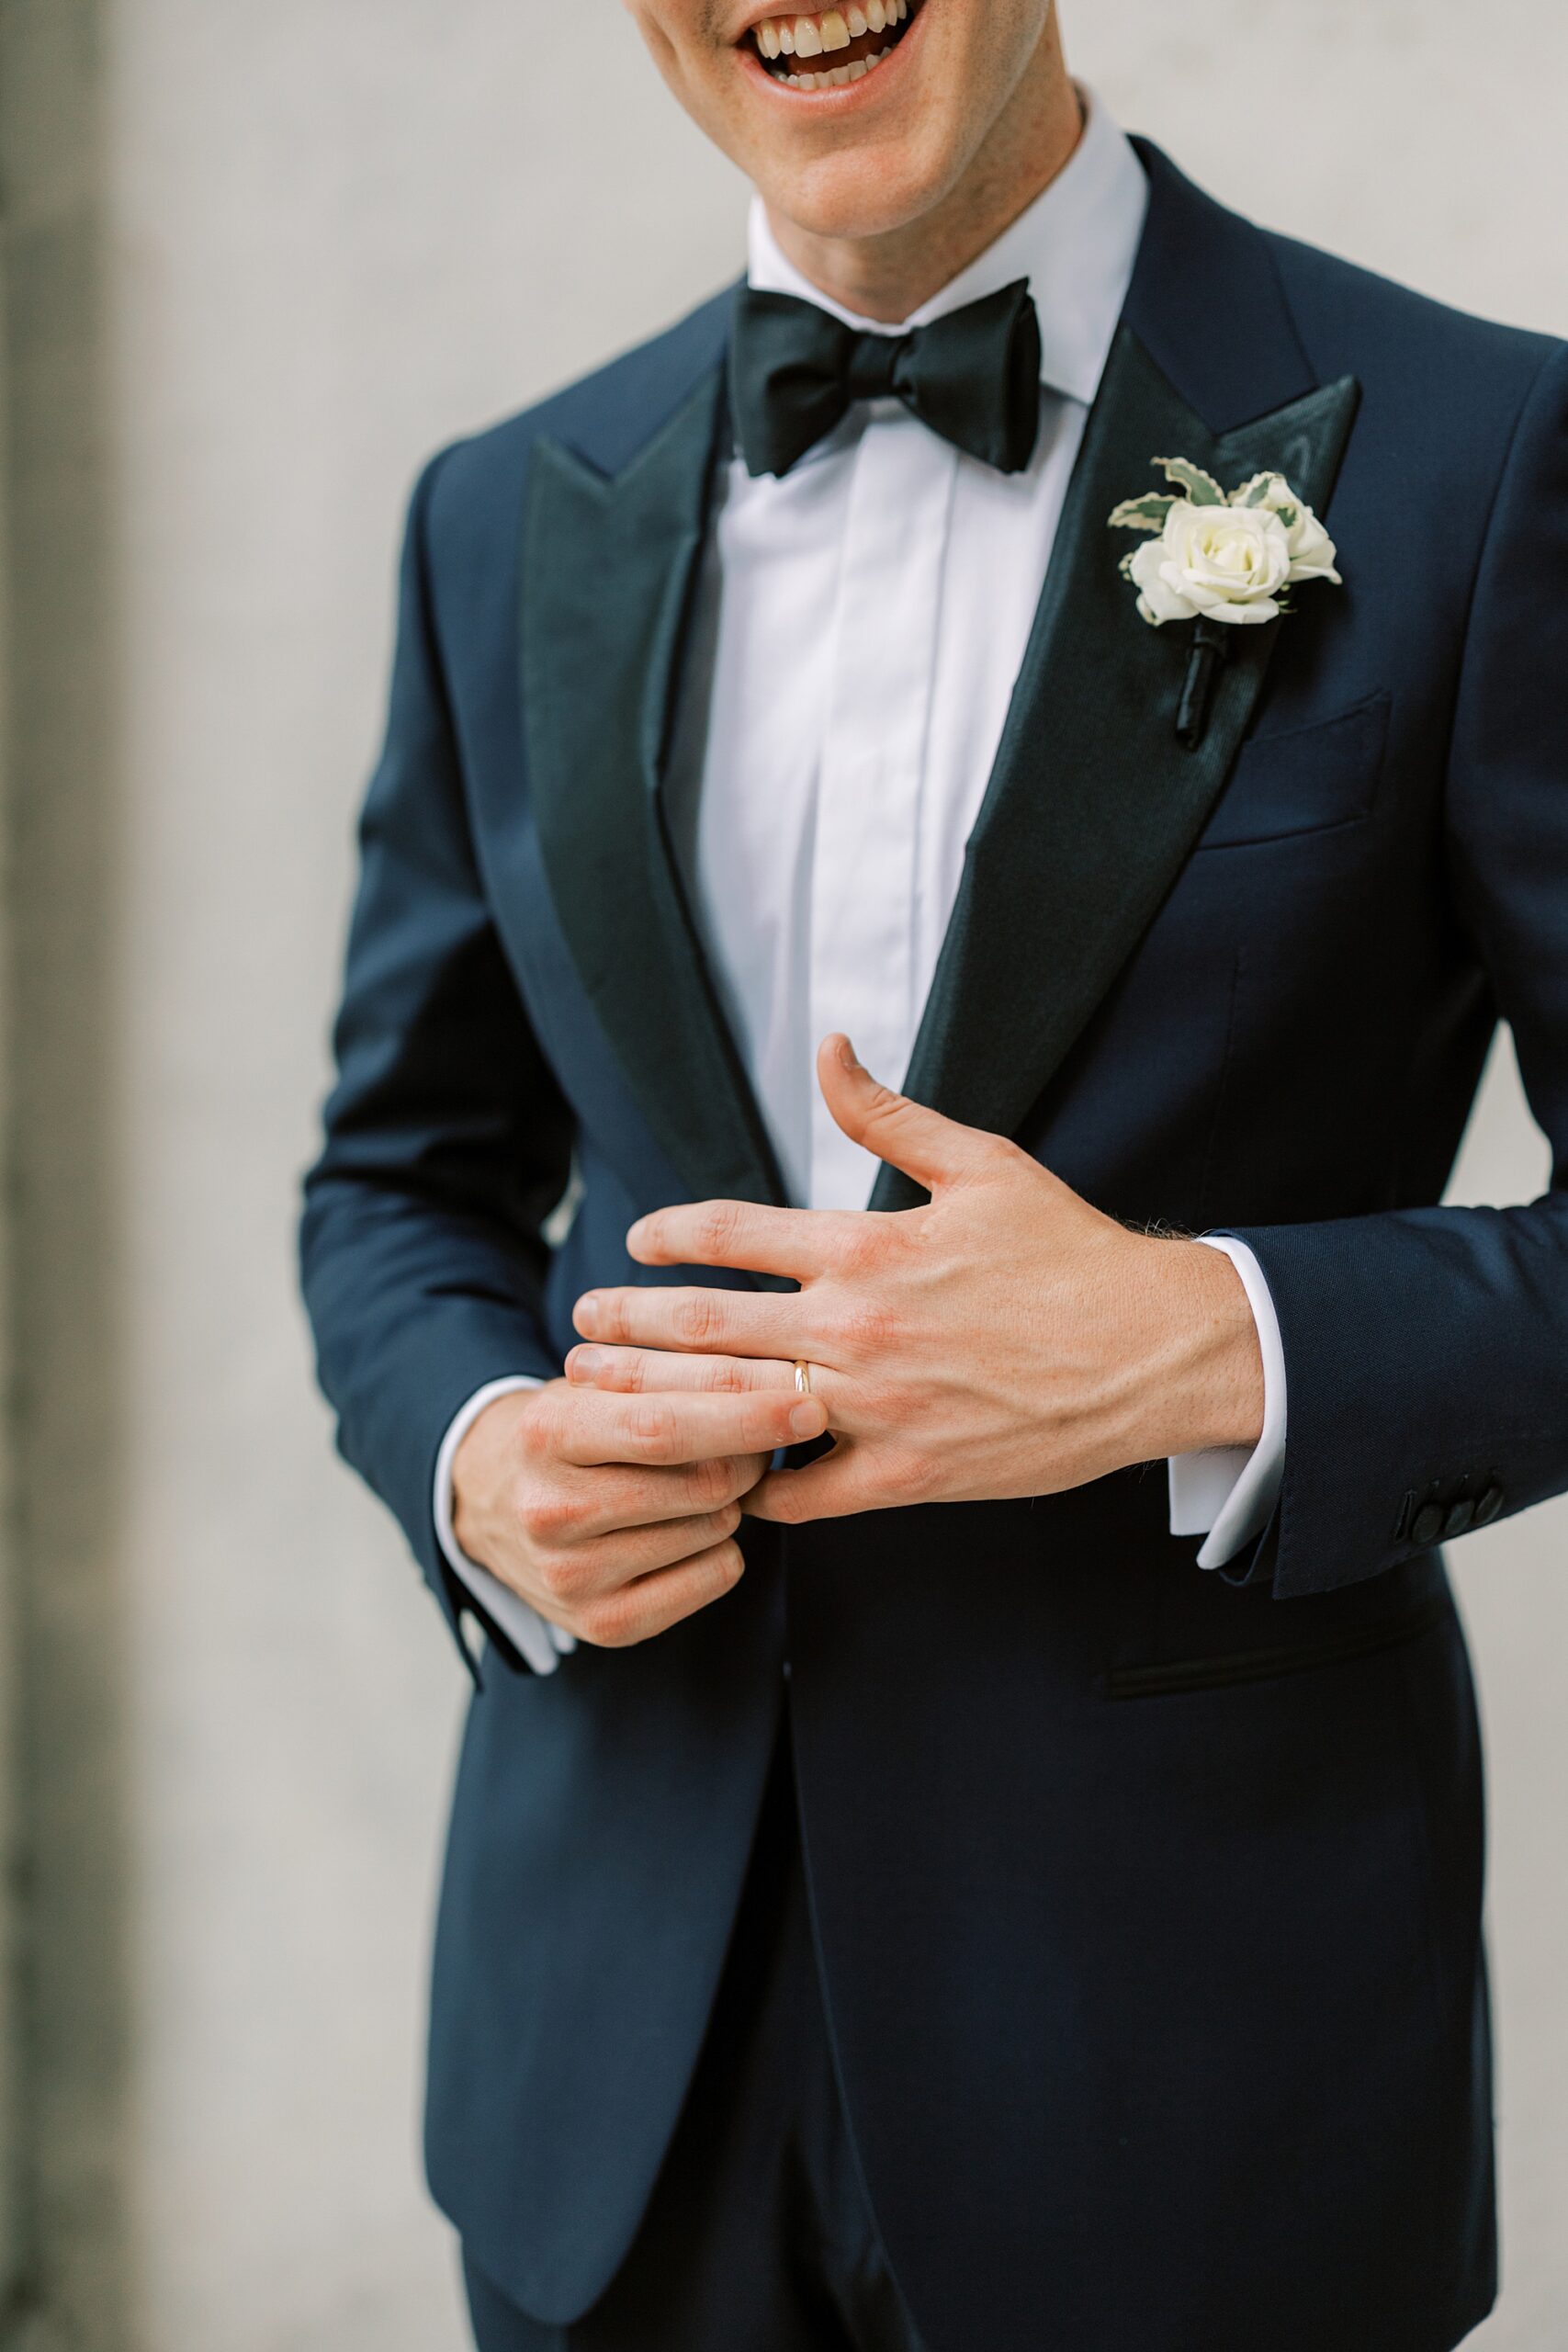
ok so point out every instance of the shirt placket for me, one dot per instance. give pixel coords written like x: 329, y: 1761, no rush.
x: 867, y: 850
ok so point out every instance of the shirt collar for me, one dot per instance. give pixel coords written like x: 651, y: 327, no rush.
x: 1077, y: 245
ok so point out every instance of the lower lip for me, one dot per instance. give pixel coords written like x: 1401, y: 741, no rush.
x: 849, y: 94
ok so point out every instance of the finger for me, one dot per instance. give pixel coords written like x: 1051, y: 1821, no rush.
x: 667, y: 1430
x: 584, y: 1572
x: 583, y: 1506
x: 656, y: 1603
x: 758, y: 1240
x: 639, y: 1371
x: 832, y: 1487
x: 700, y: 1322
x: 934, y: 1151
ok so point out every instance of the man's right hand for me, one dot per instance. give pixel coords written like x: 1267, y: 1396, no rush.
x: 615, y: 1516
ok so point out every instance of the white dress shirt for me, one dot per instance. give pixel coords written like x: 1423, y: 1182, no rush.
x: 868, y: 615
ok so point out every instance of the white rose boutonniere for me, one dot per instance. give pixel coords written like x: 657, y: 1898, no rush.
x: 1229, y: 558
x: 1224, y: 561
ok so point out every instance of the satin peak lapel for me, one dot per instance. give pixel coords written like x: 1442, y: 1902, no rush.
x: 608, y: 569
x: 1093, y: 805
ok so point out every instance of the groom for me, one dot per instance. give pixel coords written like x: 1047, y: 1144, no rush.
x: 904, y: 1889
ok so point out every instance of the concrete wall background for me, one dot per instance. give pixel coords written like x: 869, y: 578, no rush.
x: 66, y: 1348
x: 10, y: 2137
x: 265, y: 257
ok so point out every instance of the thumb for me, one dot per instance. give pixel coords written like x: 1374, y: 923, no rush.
x: 934, y: 1151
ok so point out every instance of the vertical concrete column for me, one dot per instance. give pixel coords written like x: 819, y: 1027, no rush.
x: 67, y: 2235
x: 11, y: 2078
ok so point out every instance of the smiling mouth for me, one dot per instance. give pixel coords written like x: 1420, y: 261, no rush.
x: 840, y: 46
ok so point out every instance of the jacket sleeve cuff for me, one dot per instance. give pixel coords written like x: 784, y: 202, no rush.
x: 1227, y: 1494
x: 538, y: 1644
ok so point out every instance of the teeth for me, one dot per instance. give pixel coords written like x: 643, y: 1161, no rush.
x: 835, y: 29
x: 838, y: 73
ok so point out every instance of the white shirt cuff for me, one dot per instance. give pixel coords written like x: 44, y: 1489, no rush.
x: 1227, y: 1493
x: 540, y: 1643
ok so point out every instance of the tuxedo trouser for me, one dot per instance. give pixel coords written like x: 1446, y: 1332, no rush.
x: 758, y: 2237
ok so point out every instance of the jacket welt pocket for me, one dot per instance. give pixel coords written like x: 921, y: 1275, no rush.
x: 1312, y: 779
x: 1265, y: 1665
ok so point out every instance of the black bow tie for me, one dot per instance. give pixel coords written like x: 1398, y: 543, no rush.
x: 973, y: 376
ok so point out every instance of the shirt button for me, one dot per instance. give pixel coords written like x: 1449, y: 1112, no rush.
x: 1428, y: 1525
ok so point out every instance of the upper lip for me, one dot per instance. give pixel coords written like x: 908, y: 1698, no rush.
x: 780, y: 16
x: 762, y: 16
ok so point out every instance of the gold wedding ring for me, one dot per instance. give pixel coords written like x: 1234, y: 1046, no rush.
x: 802, y: 1376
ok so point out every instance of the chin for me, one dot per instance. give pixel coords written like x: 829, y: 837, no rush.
x: 863, y: 194
x: 853, y: 121
x: 862, y: 138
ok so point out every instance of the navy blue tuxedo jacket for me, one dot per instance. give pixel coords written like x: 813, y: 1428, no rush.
x: 1148, y: 1901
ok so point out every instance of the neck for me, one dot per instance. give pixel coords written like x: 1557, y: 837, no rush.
x: 888, y: 276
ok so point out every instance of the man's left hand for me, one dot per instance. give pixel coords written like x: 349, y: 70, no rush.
x: 1006, y: 1340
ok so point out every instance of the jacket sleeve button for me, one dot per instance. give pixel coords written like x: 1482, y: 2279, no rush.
x: 1460, y: 1518
x: 1427, y: 1527
x: 1486, y: 1509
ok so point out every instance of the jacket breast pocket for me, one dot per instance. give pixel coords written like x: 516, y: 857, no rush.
x: 1308, y: 781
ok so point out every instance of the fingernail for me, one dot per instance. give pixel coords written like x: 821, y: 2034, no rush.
x: 807, y: 1419
x: 584, y: 1364
x: 847, y: 1055
x: 634, y: 1235
x: 586, y: 1315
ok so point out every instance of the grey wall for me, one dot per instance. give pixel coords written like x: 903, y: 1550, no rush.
x: 64, y: 1194
x: 10, y: 1955
x: 262, y: 258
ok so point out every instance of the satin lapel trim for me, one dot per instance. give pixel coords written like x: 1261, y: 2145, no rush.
x: 608, y: 571
x: 1093, y: 805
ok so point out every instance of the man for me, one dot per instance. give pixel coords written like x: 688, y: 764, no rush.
x: 904, y: 1891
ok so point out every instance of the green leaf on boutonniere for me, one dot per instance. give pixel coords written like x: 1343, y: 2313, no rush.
x: 1264, y: 489
x: 1144, y: 514
x: 1199, y: 487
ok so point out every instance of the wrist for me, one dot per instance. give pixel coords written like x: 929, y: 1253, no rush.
x: 484, y: 1473
x: 1205, y: 1363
